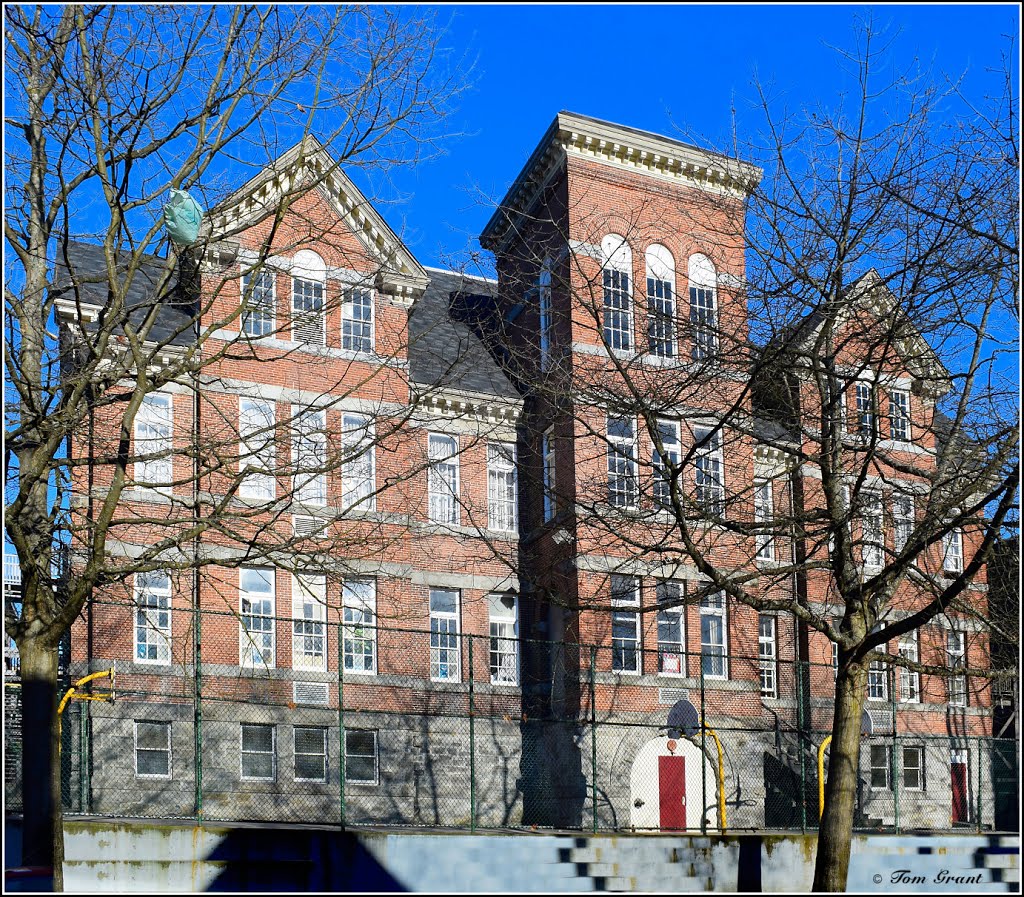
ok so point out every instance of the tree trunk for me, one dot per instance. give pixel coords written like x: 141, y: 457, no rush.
x: 43, y: 833
x: 836, y: 828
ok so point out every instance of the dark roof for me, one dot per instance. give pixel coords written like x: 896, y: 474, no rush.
x: 84, y: 267
x: 444, y: 350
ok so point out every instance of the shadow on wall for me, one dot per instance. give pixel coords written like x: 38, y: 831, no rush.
x: 283, y: 859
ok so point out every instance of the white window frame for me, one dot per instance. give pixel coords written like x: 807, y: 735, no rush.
x: 616, y: 277
x: 256, y: 448
x: 709, y: 468
x: 956, y: 651
x: 349, y: 780
x: 443, y: 478
x: 309, y: 278
x: 910, y: 680
x: 703, y: 296
x: 445, y: 639
x: 671, y: 621
x: 263, y: 639
x: 309, y: 455
x: 242, y: 752
x: 261, y: 309
x: 899, y: 415
x: 622, y: 462
x: 170, y: 757
x: 867, y: 418
x: 764, y: 511
x: 309, y: 621
x: 903, y: 519
x: 503, y: 631
x: 886, y: 750
x: 322, y: 730
x: 152, y: 617
x: 872, y: 531
x: 357, y: 332
x: 548, y: 467
x: 668, y: 432
x: 359, y: 467
x: 154, y: 435
x: 625, y: 596
x: 661, y: 302
x: 768, y: 655
x: 878, y: 681
x: 502, y: 487
x: 953, y: 552
x: 359, y: 624
x: 920, y: 751
x: 713, y: 607
x: 546, y: 323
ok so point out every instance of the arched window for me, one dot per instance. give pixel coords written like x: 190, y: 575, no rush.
x: 661, y: 301
x: 544, y: 307
x: 618, y: 314
x: 309, y: 275
x: 703, y: 307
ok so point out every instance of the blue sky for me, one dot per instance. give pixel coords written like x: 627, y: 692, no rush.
x: 658, y: 67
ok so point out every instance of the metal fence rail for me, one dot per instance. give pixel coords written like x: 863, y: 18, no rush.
x: 384, y: 725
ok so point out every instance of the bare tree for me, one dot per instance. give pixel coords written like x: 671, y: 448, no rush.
x: 835, y: 437
x: 109, y: 109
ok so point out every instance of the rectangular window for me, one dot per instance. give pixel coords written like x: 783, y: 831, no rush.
x: 258, y: 298
x: 671, y: 628
x: 361, y: 766
x: 546, y: 323
x: 865, y: 410
x: 712, y: 636
x: 899, y: 415
x: 768, y: 655
x: 358, y: 473
x: 309, y: 606
x: 358, y: 630
x: 502, y: 497
x: 764, y: 511
x: 256, y: 635
x: 625, y: 624
x: 703, y: 323
x: 903, y: 519
x: 259, y: 752
x: 152, y: 749
x: 621, y: 461
x: 661, y: 318
x: 881, y: 767
x: 878, y: 681
x: 618, y: 317
x: 668, y: 433
x: 835, y: 660
x: 913, y: 768
x: 504, y: 654
x: 548, y: 459
x: 310, y: 743
x: 443, y: 478
x: 708, y: 469
x: 444, y: 635
x: 953, y: 551
x: 153, y: 442
x: 307, y: 311
x: 357, y: 320
x: 309, y: 454
x: 256, y: 448
x: 873, y: 548
x: 153, y: 617
x: 910, y: 681
x: 956, y: 685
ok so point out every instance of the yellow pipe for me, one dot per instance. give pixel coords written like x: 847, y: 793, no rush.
x: 721, y: 779
x: 71, y: 691
x: 821, y: 775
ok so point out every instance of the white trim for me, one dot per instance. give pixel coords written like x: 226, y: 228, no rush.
x: 135, y: 752
x: 165, y: 636
x: 295, y: 755
x: 242, y: 753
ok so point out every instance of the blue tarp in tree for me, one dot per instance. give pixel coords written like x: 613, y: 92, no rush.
x: 182, y: 216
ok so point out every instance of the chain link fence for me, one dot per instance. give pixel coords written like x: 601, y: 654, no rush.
x: 361, y: 725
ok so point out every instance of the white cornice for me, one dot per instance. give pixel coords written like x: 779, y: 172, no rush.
x: 457, y: 404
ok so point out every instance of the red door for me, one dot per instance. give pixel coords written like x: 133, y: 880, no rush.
x: 958, y: 780
x: 672, y: 793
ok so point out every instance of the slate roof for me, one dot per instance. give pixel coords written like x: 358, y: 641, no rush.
x: 444, y: 350
x: 85, y: 267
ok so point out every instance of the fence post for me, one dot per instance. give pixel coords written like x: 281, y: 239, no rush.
x: 593, y: 738
x: 341, y: 721
x: 703, y: 756
x: 801, y: 742
x: 472, y: 744
x: 84, y: 760
x: 197, y: 708
x: 977, y: 742
x: 896, y: 761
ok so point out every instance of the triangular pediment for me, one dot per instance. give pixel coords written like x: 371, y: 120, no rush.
x: 308, y: 165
